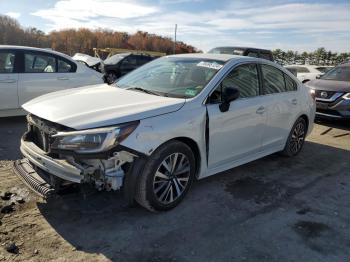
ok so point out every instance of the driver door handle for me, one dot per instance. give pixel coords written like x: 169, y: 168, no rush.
x: 8, y: 81
x: 62, y: 78
x: 260, y: 110
x: 294, y: 101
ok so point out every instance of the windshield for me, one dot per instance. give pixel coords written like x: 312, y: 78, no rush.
x: 172, y: 76
x: 340, y: 73
x: 114, y: 59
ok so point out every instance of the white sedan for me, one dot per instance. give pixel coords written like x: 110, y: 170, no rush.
x: 307, y: 73
x: 27, y: 72
x: 169, y: 122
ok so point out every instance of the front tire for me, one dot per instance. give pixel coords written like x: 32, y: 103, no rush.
x: 296, y: 138
x: 111, y: 77
x: 166, y: 177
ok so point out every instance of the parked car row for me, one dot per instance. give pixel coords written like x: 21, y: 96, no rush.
x: 162, y: 125
x: 115, y: 66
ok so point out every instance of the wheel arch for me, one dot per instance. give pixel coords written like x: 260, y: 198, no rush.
x: 194, y: 148
x: 306, y: 118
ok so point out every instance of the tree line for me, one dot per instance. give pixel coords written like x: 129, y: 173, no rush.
x: 319, y: 57
x: 83, y: 40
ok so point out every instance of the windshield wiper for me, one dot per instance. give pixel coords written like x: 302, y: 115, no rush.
x: 144, y: 90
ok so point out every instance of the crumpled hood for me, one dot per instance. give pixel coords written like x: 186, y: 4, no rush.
x: 329, y: 85
x: 100, y: 105
x: 89, y: 60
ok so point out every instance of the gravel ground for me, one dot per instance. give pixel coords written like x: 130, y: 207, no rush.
x: 273, y: 209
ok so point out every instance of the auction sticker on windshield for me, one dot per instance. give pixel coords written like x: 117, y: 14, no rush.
x: 212, y: 65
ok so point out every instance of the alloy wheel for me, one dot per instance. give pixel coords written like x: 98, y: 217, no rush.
x: 171, y: 178
x: 297, y: 138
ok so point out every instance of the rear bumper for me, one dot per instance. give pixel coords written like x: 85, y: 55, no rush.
x: 57, y: 167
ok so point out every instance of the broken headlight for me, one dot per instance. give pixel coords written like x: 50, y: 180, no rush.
x: 93, y: 140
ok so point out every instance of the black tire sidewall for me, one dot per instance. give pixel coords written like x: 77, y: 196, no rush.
x: 287, y: 150
x: 153, y: 164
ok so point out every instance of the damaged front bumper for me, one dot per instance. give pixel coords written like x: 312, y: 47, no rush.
x: 45, y: 169
x: 31, y: 170
x: 41, y: 172
x: 57, y: 167
x: 32, y: 179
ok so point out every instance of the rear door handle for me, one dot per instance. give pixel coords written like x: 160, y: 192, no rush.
x: 294, y: 101
x: 62, y: 78
x: 8, y: 81
x: 260, y: 110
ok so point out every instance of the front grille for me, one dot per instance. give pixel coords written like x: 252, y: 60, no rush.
x: 328, y: 112
x: 40, y: 138
x: 328, y: 93
x: 40, y: 131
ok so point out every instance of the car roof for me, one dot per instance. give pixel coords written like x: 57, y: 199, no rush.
x: 243, y: 48
x: 307, y: 66
x: 29, y: 48
x: 220, y: 57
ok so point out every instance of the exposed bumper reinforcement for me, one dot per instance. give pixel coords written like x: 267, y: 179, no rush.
x: 30, y: 177
x: 56, y: 167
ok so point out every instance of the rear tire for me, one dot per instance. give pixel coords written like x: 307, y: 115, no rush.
x: 166, y: 178
x: 296, y: 138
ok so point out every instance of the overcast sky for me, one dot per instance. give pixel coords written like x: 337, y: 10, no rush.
x: 297, y: 25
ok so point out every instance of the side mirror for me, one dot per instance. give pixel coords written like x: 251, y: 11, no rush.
x: 318, y: 76
x: 229, y: 94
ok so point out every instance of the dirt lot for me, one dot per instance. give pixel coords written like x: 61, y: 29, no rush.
x: 273, y: 209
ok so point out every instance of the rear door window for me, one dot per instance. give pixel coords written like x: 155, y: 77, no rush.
x: 7, y: 62
x: 39, y: 63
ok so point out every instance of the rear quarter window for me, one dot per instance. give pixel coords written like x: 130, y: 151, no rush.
x: 291, y: 85
x: 273, y: 80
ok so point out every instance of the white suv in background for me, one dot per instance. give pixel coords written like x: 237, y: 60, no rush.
x: 27, y: 72
x: 306, y: 73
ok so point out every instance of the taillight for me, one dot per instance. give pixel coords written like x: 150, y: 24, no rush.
x: 313, y: 93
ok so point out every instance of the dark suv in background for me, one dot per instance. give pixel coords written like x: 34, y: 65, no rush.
x: 121, y: 64
x: 244, y: 51
x: 332, y: 92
